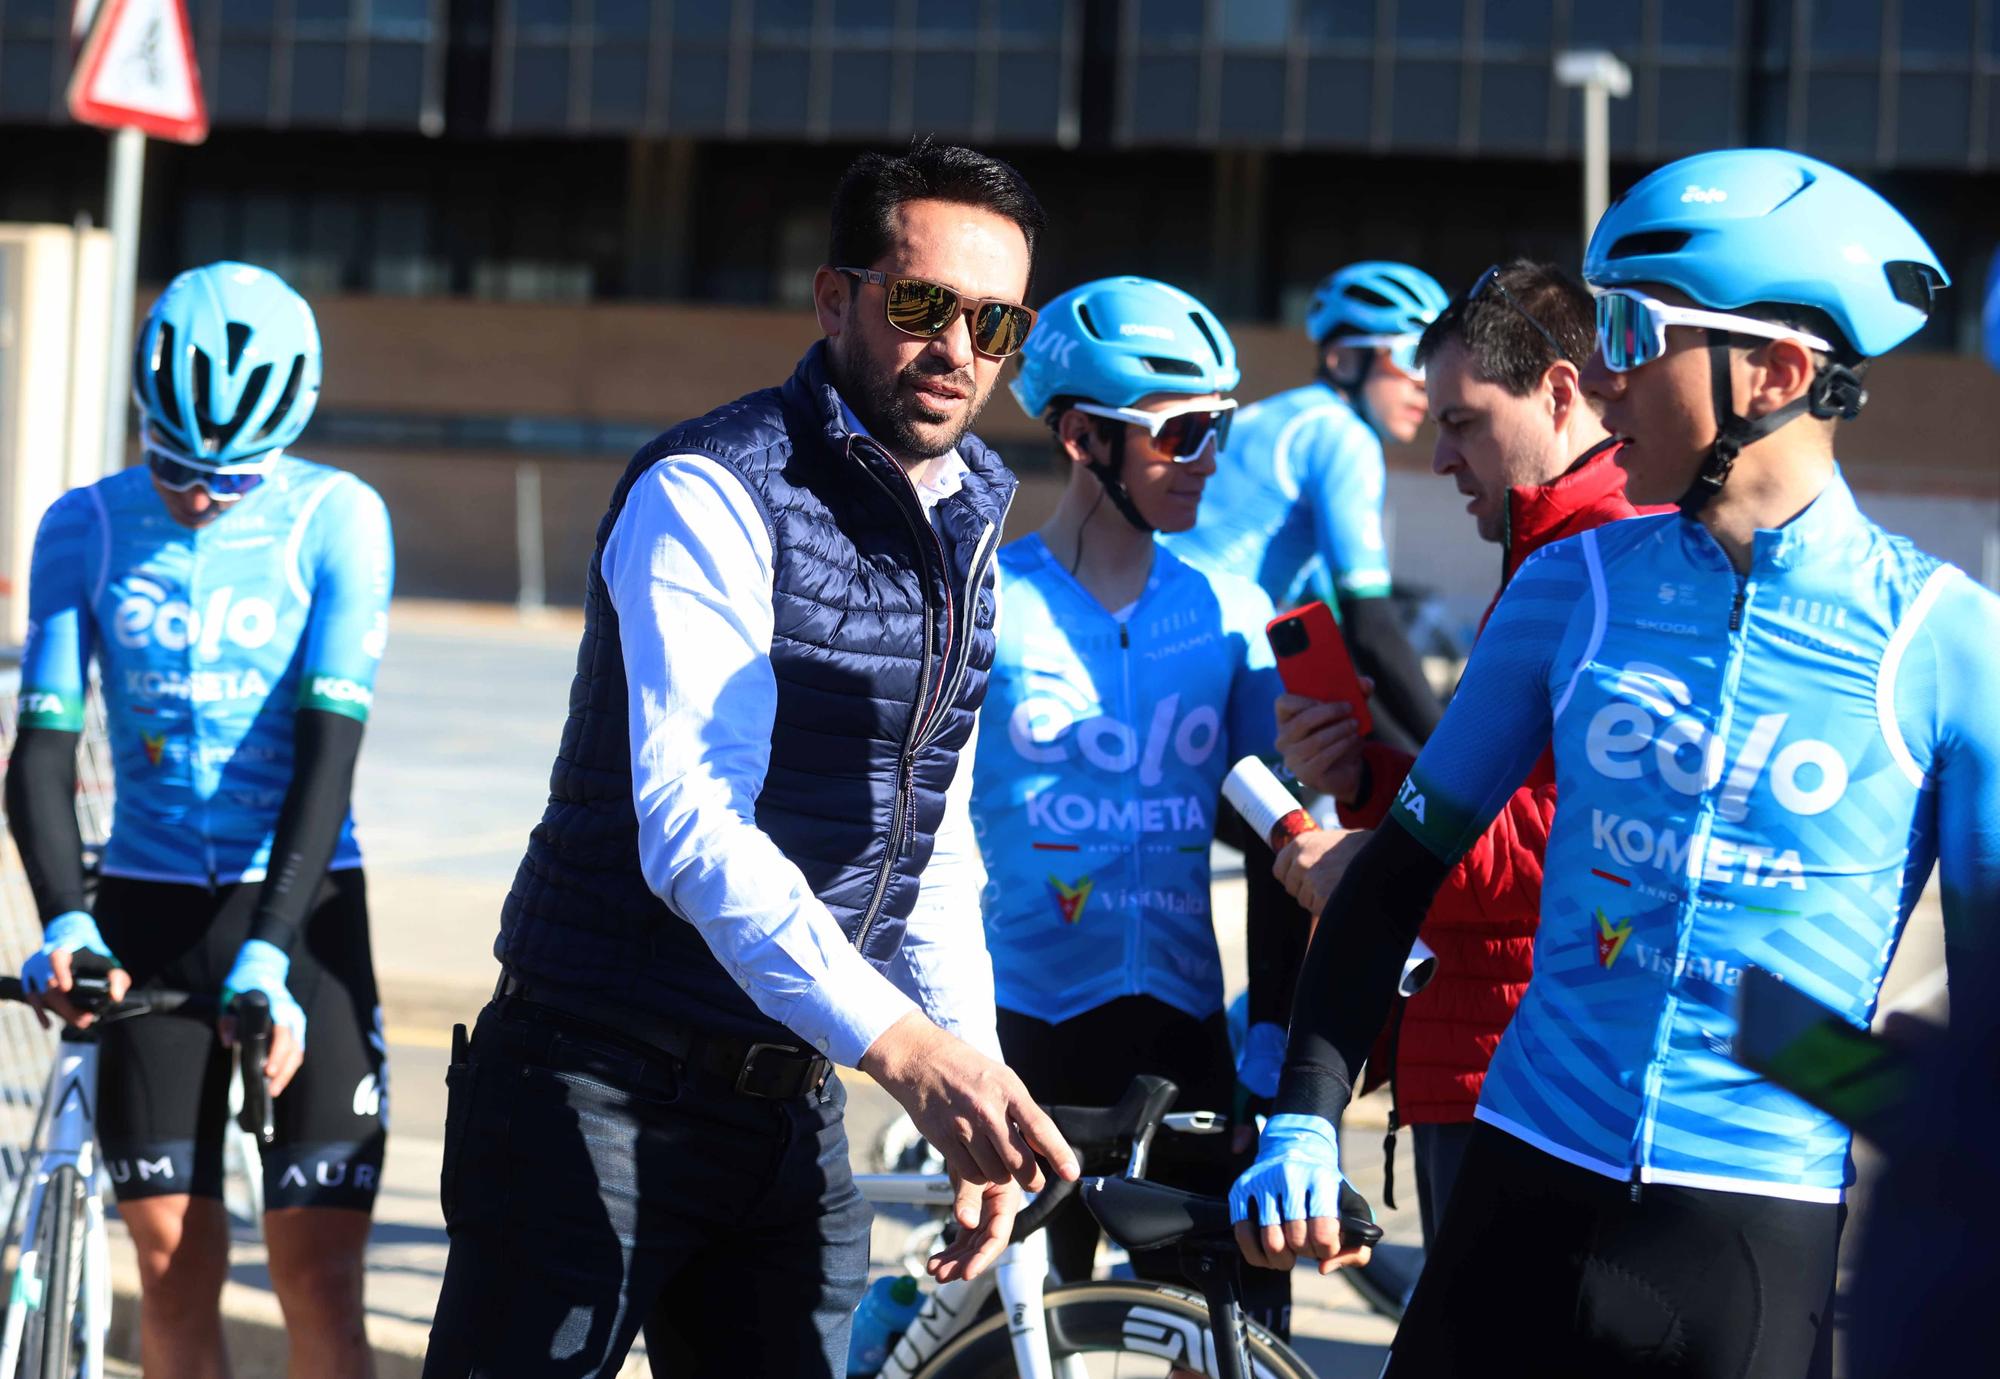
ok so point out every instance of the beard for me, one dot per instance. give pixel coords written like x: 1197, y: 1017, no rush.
x: 888, y: 407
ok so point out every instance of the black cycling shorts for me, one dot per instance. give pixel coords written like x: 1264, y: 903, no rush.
x: 1090, y: 1061
x: 163, y: 1099
x: 1543, y: 1268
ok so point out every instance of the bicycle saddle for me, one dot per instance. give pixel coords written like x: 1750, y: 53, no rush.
x: 1097, y: 1132
x: 1147, y: 1216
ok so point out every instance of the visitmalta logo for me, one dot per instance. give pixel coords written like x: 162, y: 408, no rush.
x: 155, y: 745
x: 1070, y: 899
x: 1611, y: 939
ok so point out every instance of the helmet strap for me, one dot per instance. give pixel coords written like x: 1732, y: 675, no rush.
x: 1835, y: 386
x: 1110, y: 473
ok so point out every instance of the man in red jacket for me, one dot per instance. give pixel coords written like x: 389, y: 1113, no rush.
x: 1524, y: 444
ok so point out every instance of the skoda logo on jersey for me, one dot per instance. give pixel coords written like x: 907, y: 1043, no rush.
x: 146, y: 616
x: 1038, y: 725
x: 1807, y: 776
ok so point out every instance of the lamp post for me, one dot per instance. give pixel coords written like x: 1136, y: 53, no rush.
x: 1602, y: 76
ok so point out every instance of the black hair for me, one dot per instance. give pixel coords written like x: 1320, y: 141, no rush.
x: 875, y: 185
x: 1499, y: 337
x: 1052, y: 416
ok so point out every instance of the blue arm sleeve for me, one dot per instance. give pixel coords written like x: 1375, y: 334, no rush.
x: 1963, y: 637
x: 1339, y: 469
x: 353, y: 572
x: 61, y: 633
x: 1501, y: 718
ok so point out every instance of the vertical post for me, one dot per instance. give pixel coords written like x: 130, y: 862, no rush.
x: 1596, y: 155
x: 125, y: 187
x: 533, y: 594
x: 1600, y: 76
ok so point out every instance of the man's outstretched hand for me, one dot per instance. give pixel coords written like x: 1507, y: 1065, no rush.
x: 973, y: 1110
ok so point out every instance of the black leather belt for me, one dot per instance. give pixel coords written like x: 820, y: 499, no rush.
x: 773, y: 1072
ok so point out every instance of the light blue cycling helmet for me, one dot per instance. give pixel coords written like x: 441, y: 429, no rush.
x: 1117, y: 340
x: 1376, y: 297
x: 227, y: 368
x: 1751, y: 225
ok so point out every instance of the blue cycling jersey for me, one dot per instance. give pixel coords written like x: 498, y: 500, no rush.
x: 1102, y: 748
x: 207, y: 639
x: 1296, y: 501
x: 1752, y: 769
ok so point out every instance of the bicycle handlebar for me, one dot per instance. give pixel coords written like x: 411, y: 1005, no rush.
x: 91, y: 994
x: 253, y: 1047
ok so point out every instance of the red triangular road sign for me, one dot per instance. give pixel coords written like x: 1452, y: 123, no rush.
x: 138, y: 70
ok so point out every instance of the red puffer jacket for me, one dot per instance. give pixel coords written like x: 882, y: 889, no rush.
x: 1482, y: 924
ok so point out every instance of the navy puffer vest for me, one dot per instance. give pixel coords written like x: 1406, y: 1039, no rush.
x: 883, y: 640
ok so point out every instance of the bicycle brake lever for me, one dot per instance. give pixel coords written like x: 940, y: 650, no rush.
x: 252, y: 1010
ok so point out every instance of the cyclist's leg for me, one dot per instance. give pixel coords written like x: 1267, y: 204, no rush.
x: 322, y: 1170
x: 163, y: 1087
x: 1440, y: 1149
x: 773, y: 1286
x: 570, y: 1189
x: 1498, y: 1290
x: 1196, y: 1055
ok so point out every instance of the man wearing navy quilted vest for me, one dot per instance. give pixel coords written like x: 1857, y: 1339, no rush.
x: 757, y: 860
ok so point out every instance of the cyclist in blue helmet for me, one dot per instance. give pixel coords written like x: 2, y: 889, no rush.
x: 1125, y: 684
x: 1769, y: 718
x: 1297, y: 502
x: 235, y: 601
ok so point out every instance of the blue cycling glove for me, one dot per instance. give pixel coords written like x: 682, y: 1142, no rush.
x: 263, y: 967
x: 1296, y: 1176
x: 1263, y: 1059
x: 66, y: 933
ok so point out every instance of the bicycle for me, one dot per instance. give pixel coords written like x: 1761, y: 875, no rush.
x: 59, y: 1303
x: 1151, y: 1216
x: 1008, y: 1322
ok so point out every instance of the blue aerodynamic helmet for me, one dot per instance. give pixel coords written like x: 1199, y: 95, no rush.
x: 227, y: 368
x: 1755, y: 225
x: 1117, y: 340
x: 1375, y: 298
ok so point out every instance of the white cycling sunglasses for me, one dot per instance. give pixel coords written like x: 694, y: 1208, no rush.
x: 1184, y: 432
x: 1402, y: 349
x: 1632, y: 327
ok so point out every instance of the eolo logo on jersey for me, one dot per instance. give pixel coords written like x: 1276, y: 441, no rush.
x: 146, y: 616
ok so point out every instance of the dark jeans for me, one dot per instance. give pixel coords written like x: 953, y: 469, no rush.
x: 1440, y: 1149
x: 591, y: 1186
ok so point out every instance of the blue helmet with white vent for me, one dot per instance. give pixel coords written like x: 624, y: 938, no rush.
x: 1117, y: 340
x: 1374, y: 298
x: 1756, y: 225
x: 227, y: 368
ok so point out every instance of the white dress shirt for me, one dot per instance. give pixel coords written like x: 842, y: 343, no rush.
x: 688, y: 565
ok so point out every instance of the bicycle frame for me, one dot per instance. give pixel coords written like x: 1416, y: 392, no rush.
x: 1020, y: 1275
x: 69, y: 1138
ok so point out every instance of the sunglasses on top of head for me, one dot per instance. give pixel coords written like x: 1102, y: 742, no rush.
x: 1182, y: 432
x: 1490, y: 281
x: 919, y: 307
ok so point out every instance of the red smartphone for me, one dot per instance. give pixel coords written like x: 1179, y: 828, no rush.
x: 1313, y: 660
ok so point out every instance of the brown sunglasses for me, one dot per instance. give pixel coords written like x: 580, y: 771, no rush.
x: 925, y: 309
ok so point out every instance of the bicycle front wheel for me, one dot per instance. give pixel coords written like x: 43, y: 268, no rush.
x: 53, y: 1347
x: 1118, y: 1331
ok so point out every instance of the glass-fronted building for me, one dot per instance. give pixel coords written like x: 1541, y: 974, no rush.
x: 590, y: 149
